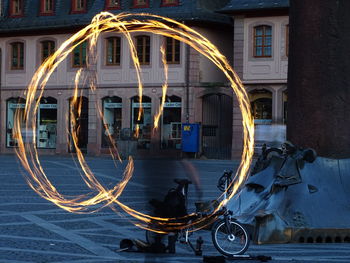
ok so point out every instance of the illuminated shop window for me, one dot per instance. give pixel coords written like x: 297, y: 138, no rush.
x: 14, y: 105
x: 145, y: 123
x: 112, y: 120
x: 171, y: 124
x: 47, y: 123
x: 261, y: 103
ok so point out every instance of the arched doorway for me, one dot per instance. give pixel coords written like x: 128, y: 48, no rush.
x: 217, y: 126
x: 82, y: 124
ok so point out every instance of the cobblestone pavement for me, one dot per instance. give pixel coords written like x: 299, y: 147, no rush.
x: 35, y: 230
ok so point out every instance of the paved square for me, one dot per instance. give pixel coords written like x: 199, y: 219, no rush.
x: 35, y: 230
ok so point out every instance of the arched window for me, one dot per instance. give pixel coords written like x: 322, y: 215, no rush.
x: 113, y: 51
x: 47, y: 123
x: 46, y: 7
x: 112, y: 4
x: 141, y: 3
x: 79, y: 55
x: 112, y: 120
x: 15, y: 109
x: 263, y: 41
x: 143, y: 48
x: 142, y: 127
x: 172, y: 50
x: 170, y: 2
x: 47, y: 48
x: 78, y: 6
x: 261, y: 103
x: 17, y: 56
x: 16, y: 8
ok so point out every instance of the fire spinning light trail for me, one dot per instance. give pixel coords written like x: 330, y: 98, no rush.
x: 124, y: 24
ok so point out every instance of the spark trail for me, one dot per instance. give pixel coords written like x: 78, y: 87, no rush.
x: 124, y: 24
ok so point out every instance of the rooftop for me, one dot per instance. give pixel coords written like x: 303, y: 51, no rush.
x: 237, y: 6
x: 186, y: 10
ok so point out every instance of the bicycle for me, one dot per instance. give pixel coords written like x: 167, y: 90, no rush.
x: 229, y: 237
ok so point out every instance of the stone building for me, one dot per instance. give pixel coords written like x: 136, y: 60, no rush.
x: 31, y: 30
x: 260, y: 58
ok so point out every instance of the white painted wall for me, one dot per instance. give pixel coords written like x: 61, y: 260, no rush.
x: 263, y: 69
x: 152, y: 74
x: 222, y: 39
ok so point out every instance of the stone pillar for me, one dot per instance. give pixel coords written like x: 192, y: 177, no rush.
x: 318, y: 76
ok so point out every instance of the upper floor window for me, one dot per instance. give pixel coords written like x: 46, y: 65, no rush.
x: 287, y: 40
x: 79, y: 55
x: 112, y: 4
x: 16, y: 7
x: 112, y: 51
x: 141, y: 3
x: 17, y: 55
x: 78, y: 6
x: 47, y: 49
x: 46, y: 7
x: 172, y: 50
x: 170, y: 2
x: 263, y: 41
x: 143, y: 49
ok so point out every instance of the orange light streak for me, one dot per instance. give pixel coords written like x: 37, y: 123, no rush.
x: 122, y: 23
x: 164, y: 88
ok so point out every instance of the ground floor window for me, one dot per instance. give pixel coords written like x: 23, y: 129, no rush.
x: 47, y: 123
x: 80, y: 110
x: 14, y: 105
x: 144, y: 124
x: 261, y: 103
x: 171, y: 124
x: 112, y: 120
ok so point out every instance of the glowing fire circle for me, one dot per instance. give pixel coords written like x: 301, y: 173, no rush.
x: 124, y: 24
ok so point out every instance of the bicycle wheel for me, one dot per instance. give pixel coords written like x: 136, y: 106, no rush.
x: 229, y: 243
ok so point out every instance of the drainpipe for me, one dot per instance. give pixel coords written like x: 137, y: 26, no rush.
x: 187, y: 81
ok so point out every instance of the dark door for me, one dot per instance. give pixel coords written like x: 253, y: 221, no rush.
x: 81, y: 122
x: 217, y: 126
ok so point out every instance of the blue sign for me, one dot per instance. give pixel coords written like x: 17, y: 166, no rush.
x: 190, y: 137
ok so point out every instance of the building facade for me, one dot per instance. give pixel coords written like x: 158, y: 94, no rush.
x: 32, y: 30
x: 261, y: 37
